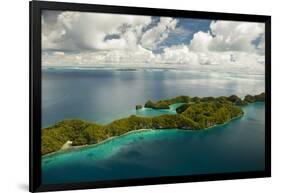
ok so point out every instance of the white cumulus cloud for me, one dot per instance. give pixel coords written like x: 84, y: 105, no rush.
x: 156, y: 35
x: 77, y: 31
x: 97, y: 39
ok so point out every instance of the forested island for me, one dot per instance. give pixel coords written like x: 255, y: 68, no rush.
x: 194, y: 113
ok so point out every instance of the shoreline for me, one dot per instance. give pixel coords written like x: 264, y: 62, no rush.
x: 218, y: 125
x: 74, y: 148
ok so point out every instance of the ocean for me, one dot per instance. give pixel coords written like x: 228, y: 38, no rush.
x: 103, y: 95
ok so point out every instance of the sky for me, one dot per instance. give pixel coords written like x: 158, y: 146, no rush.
x: 81, y: 39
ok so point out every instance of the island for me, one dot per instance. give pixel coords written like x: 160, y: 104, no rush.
x: 193, y: 113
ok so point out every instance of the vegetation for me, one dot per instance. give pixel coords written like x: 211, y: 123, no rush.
x: 164, y: 104
x: 196, y: 113
x: 255, y: 98
x: 138, y: 107
x: 182, y: 108
x: 260, y: 97
x: 158, y: 105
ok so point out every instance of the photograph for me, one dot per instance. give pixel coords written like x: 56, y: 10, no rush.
x: 127, y: 96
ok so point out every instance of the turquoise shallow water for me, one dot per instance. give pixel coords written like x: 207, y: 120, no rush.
x: 236, y: 146
x: 156, y: 112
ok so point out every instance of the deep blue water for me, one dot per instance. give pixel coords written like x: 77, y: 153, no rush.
x: 105, y: 95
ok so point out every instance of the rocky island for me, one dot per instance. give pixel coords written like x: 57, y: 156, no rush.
x: 193, y: 113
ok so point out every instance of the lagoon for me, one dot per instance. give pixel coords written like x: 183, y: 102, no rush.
x: 236, y: 146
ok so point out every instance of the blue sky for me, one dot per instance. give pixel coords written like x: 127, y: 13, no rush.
x: 186, y: 29
x: 96, y: 39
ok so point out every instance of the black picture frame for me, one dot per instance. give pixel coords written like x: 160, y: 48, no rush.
x: 35, y: 94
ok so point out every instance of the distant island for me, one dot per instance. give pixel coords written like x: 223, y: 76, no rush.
x: 193, y: 113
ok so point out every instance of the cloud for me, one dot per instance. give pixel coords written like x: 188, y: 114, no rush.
x: 127, y: 58
x: 59, y: 53
x: 235, y: 36
x: 228, y: 36
x: 96, y: 39
x: 154, y: 36
x: 178, y: 55
x: 74, y: 31
x: 201, y: 41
